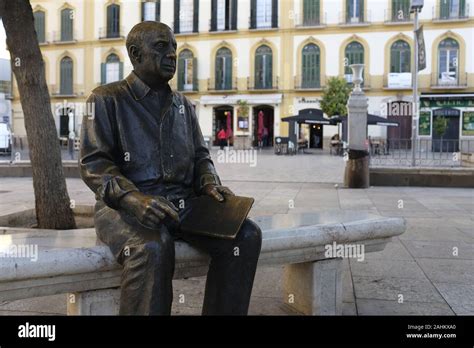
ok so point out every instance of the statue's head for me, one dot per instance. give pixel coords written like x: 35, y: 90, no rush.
x: 151, y: 47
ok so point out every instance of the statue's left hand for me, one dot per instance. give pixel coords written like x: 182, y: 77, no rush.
x: 217, y: 192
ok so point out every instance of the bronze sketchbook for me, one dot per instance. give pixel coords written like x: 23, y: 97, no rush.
x: 206, y: 216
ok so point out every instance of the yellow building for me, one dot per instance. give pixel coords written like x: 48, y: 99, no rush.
x: 275, y: 55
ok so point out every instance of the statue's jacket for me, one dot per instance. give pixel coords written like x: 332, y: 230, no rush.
x: 133, y: 141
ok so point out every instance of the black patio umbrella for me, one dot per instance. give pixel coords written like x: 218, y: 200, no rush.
x: 309, y: 116
x: 371, y: 120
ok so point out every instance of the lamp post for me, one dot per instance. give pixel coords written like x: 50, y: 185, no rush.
x: 357, y: 165
x: 415, y: 7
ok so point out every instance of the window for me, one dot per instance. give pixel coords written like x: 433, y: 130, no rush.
x: 448, y: 53
x: 263, y: 68
x: 40, y: 26
x: 112, y: 70
x: 400, y: 57
x: 311, y: 12
x: 224, y: 69
x: 151, y: 10
x: 311, y: 66
x: 263, y: 14
x: 113, y: 21
x: 354, y: 11
x: 354, y: 54
x: 67, y: 16
x: 224, y: 15
x: 400, y: 10
x: 66, y: 76
x: 452, y: 9
x: 187, y: 71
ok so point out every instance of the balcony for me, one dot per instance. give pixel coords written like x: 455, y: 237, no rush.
x: 186, y: 27
x: 448, y: 81
x: 211, y: 86
x: 345, y: 20
x: 395, y: 18
x: 105, y: 34
x: 305, y: 85
x: 63, y: 38
x: 301, y: 22
x: 260, y: 25
x: 213, y: 30
x: 398, y: 81
x: 254, y: 85
x: 451, y: 16
x: 75, y: 91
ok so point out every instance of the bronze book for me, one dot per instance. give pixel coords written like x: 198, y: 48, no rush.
x: 206, y: 216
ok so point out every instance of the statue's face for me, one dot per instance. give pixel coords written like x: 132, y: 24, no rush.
x: 158, y: 53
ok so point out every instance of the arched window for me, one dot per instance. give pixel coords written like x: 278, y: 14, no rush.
x: 66, y: 76
x: 311, y: 66
x: 400, y: 57
x: 187, y: 71
x: 40, y: 26
x: 311, y: 12
x: 354, y: 54
x: 113, y: 21
x: 263, y: 68
x: 448, y: 55
x: 112, y: 69
x: 67, y: 16
x: 151, y: 10
x: 224, y: 69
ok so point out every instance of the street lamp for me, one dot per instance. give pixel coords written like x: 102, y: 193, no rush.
x: 415, y: 7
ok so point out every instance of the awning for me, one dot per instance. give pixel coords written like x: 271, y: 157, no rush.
x: 232, y: 99
x: 310, y: 116
x: 371, y: 120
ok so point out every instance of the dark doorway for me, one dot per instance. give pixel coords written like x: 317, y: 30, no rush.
x: 449, y: 142
x: 64, y: 122
x: 316, y: 136
x: 268, y: 119
x: 220, y: 121
x: 399, y: 137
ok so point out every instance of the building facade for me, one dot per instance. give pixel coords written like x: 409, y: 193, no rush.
x: 273, y: 56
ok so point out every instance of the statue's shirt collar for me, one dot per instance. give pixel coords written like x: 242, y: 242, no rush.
x: 140, y: 89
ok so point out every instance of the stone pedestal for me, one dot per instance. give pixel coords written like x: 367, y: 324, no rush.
x: 314, y: 288
x: 242, y: 142
x: 356, y: 174
x: 97, y: 302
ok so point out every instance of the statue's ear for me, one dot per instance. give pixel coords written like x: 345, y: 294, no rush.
x: 134, y: 53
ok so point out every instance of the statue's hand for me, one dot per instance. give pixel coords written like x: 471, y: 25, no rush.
x: 150, y: 211
x: 217, y: 192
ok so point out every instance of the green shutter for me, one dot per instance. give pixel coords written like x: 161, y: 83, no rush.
x: 102, y: 73
x: 120, y: 70
x: 444, y: 9
x: 258, y: 71
x: 274, y: 13
x: 361, y: 11
x: 66, y: 25
x: 219, y: 71
x: 253, y: 14
x: 269, y: 71
x: 195, y: 75
x: 228, y: 73
x: 196, y: 16
x: 143, y: 11
x: 40, y: 26
x: 348, y: 10
x: 181, y: 67
x: 158, y: 11
x: 462, y: 8
x: 177, y: 5
x: 214, y: 15
x: 233, y: 25
x: 393, y: 60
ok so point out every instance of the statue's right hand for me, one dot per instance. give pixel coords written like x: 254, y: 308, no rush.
x: 150, y: 211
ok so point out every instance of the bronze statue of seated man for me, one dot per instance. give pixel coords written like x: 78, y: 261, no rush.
x: 143, y: 154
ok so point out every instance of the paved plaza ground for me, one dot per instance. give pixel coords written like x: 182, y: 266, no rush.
x: 427, y: 270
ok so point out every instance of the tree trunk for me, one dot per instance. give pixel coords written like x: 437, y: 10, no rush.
x: 53, y: 207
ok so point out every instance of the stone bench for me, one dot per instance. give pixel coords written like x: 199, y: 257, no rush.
x: 74, y: 262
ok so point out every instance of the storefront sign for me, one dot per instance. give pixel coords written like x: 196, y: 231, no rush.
x: 424, y: 123
x: 446, y: 102
x: 468, y: 123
